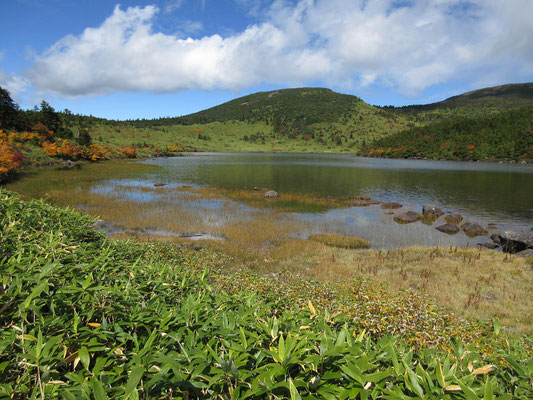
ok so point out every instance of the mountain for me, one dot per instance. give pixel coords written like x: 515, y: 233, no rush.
x: 316, y: 120
x: 474, y: 103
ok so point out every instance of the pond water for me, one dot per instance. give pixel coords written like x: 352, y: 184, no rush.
x: 487, y: 193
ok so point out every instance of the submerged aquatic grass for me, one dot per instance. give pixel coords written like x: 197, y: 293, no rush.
x: 344, y: 242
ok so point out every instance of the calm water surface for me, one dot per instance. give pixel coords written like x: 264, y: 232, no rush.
x: 500, y: 194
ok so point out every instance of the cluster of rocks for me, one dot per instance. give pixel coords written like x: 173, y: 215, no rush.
x: 510, y: 242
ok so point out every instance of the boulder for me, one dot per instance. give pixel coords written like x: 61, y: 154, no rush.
x: 450, y: 229
x: 496, y: 238
x: 432, y: 210
x: 407, y: 217
x: 68, y: 164
x: 528, y: 253
x: 360, y: 203
x: 513, y: 242
x: 454, y: 218
x: 473, y: 229
x: 390, y: 205
x: 271, y: 194
x: 363, y: 201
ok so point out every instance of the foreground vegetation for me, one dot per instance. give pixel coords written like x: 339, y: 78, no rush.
x: 88, y: 317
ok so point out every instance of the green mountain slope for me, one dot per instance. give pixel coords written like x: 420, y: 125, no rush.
x: 471, y: 104
x: 506, y: 135
x: 305, y: 119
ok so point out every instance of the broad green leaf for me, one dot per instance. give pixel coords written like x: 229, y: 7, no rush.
x: 440, y: 375
x: 84, y: 356
x: 133, y: 380
x: 294, y: 391
x: 98, y: 390
x: 488, y: 394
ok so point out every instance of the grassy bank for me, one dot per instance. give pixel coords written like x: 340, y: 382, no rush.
x: 88, y: 317
x: 479, y: 283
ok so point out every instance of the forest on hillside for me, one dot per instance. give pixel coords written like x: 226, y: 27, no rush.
x: 507, y: 135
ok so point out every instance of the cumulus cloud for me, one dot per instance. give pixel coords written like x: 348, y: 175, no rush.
x: 16, y: 85
x: 407, y: 45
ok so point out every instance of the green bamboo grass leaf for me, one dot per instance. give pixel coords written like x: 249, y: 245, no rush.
x: 242, y: 336
x: 488, y: 393
x: 469, y: 393
x: 39, y: 346
x: 47, y: 269
x: 440, y: 375
x: 413, y: 379
x: 98, y: 390
x: 392, y: 353
x: 84, y: 356
x: 281, y: 349
x: 378, y: 376
x: 36, y: 292
x: 294, y: 391
x: 496, y: 326
x: 133, y: 380
x: 354, y: 372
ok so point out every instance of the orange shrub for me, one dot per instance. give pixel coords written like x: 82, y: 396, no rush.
x: 9, y: 160
x: 175, y: 148
x: 128, y: 152
x: 95, y: 152
x: 198, y: 130
x: 50, y: 149
x: 471, y: 147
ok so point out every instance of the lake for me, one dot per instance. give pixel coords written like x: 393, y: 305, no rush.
x: 487, y: 193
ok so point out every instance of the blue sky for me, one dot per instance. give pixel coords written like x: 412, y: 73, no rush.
x: 149, y: 59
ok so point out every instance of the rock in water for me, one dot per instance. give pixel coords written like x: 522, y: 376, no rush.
x: 473, y: 229
x: 391, y: 206
x: 271, y: 194
x: 432, y: 210
x: 68, y: 164
x: 450, y: 229
x: 159, y: 184
x: 513, y: 242
x: 528, y: 253
x: 454, y: 218
x: 363, y: 201
x: 407, y: 217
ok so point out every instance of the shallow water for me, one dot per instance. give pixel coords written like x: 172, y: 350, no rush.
x: 500, y: 194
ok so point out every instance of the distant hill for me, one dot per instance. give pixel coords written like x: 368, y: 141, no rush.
x: 303, y: 107
x: 507, y: 135
x: 312, y: 114
x: 477, y: 102
x: 316, y: 120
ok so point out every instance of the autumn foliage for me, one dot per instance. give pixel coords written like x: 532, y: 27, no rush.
x: 128, y: 152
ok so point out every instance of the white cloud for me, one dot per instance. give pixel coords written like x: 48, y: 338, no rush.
x: 173, y: 5
x: 362, y: 42
x: 16, y: 85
